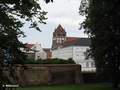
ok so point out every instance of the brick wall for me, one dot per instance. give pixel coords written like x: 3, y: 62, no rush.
x: 41, y: 74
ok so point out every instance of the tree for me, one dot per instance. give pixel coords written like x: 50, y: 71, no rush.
x: 103, y: 27
x: 13, y: 15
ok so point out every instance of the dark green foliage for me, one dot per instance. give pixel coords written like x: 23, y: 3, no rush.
x: 49, y: 61
x: 89, y: 77
x: 47, y: 1
x: 70, y: 60
x: 13, y: 15
x: 92, y: 77
x: 103, y: 27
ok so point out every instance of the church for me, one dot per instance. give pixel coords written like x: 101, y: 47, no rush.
x: 64, y: 47
x: 60, y: 37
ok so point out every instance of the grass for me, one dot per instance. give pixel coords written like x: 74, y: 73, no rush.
x: 95, y: 86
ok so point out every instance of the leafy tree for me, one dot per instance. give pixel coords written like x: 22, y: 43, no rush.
x: 13, y: 15
x: 103, y: 27
x: 47, y: 1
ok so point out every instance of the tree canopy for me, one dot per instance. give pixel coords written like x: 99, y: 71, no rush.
x: 13, y: 15
x: 103, y: 27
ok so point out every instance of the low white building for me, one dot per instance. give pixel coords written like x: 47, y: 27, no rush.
x: 75, y: 50
x: 34, y: 51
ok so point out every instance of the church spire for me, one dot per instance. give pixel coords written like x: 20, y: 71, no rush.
x: 59, y: 36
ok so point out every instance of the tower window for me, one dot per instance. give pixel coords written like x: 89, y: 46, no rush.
x: 60, y: 41
x: 58, y: 34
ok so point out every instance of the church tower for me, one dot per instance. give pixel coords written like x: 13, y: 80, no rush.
x: 59, y: 37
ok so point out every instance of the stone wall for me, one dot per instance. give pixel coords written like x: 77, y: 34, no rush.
x: 40, y: 74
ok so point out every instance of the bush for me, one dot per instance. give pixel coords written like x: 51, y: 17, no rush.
x: 29, y: 61
x: 70, y: 61
x: 49, y: 61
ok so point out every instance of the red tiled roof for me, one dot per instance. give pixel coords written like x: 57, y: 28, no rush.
x: 60, y: 29
x: 49, y: 54
x: 68, y: 39
x: 29, y: 45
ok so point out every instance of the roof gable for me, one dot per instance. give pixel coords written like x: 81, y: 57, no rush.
x: 59, y: 29
x: 29, y: 45
x: 37, y: 47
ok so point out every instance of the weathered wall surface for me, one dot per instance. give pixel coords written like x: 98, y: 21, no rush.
x: 38, y: 74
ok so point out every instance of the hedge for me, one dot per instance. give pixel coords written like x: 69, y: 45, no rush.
x: 50, y: 61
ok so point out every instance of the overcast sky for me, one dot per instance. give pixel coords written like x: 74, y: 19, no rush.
x: 64, y: 12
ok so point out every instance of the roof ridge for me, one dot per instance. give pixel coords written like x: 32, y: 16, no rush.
x: 74, y: 41
x: 79, y: 41
x: 59, y: 29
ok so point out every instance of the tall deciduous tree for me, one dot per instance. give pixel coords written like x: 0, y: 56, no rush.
x: 13, y: 15
x: 103, y: 27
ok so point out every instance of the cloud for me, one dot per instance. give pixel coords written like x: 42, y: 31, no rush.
x: 65, y: 20
x: 64, y: 12
x: 64, y: 8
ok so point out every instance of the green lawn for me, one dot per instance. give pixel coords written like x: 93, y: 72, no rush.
x: 97, y: 86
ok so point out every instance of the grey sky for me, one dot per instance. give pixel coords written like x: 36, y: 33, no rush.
x: 64, y: 12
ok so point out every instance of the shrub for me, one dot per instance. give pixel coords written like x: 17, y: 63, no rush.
x: 50, y: 61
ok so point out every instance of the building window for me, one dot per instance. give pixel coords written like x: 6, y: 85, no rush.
x: 38, y: 57
x: 82, y: 55
x: 33, y: 56
x: 87, y: 64
x: 92, y: 64
x: 64, y: 34
x: 65, y: 39
x: 87, y: 49
x: 60, y: 41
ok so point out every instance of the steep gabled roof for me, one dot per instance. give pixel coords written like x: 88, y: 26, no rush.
x: 48, y: 52
x: 77, y: 42
x: 29, y: 45
x: 59, y: 29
